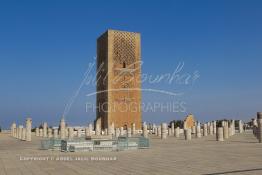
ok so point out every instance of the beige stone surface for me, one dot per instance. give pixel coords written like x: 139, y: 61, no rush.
x: 240, y: 154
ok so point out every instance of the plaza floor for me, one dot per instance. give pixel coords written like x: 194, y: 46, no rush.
x: 240, y: 154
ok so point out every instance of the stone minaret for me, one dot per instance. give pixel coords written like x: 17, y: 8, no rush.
x: 118, y: 79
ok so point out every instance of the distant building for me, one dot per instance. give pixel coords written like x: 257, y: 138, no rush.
x: 189, y: 121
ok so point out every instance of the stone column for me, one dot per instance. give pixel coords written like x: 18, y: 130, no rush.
x: 62, y: 128
x: 13, y: 132
x: 20, y: 132
x: 240, y: 125
x: 106, y: 132
x: 117, y: 132
x: 170, y: 132
x: 230, y: 128
x: 177, y: 132
x: 113, y: 129
x: 24, y: 134
x: 79, y: 132
x: 37, y: 132
x: 13, y: 127
x: 45, y: 129
x: 87, y: 133
x: 220, y: 135
x: 215, y: 127
x: 208, y: 128
x: 90, y: 126
x: 145, y: 132
x: 259, y: 122
x: 17, y: 132
x: 205, y: 129
x: 230, y: 131
x: 133, y: 128
x: 70, y: 133
x: 28, y: 129
x: 154, y: 129
x: 159, y: 131
x: 188, y: 134
x: 41, y: 134
x: 225, y: 130
x: 172, y: 128
x: 163, y: 131
x: 98, y: 130
x: 211, y: 132
x: 55, y: 133
x: 129, y: 132
x: 198, y: 130
x: 49, y: 133
x: 234, y: 128
x: 150, y: 128
x: 121, y: 131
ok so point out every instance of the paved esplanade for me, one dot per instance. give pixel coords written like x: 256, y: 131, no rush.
x: 240, y: 154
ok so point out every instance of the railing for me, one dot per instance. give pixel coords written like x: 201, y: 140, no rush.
x: 80, y: 144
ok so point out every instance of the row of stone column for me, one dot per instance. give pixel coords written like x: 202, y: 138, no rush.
x: 116, y: 132
x: 163, y: 131
x: 21, y: 132
x: 222, y: 133
x: 47, y: 132
x: 68, y: 132
x: 209, y: 128
x: 228, y: 129
x: 111, y: 130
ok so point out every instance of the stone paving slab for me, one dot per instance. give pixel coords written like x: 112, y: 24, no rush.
x: 241, y: 154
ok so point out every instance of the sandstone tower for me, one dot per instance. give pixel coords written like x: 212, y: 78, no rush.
x: 118, y: 79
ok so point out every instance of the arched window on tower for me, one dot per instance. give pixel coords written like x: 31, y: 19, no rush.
x: 124, y: 64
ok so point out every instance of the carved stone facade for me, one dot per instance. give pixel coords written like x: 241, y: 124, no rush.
x: 118, y: 79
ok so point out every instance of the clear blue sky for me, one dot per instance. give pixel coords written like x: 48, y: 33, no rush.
x: 46, y: 46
